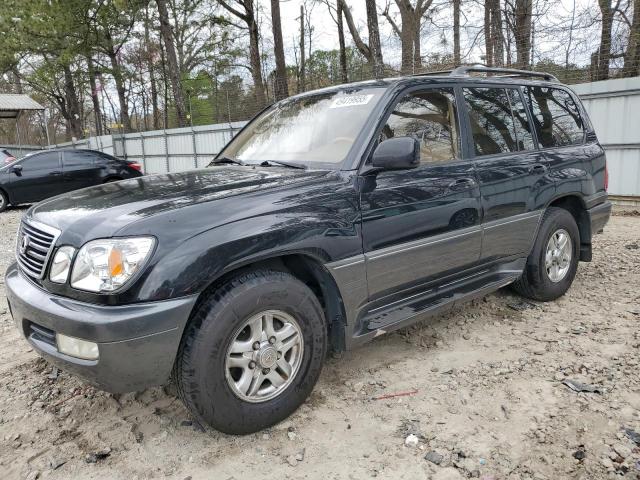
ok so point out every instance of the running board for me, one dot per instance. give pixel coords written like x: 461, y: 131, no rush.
x: 429, y: 303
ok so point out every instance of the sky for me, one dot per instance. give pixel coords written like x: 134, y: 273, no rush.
x: 325, y: 32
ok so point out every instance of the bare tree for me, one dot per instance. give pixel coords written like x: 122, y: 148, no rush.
x: 303, y: 80
x: 281, y: 87
x: 632, y: 54
x: 371, y: 51
x: 246, y: 11
x: 493, y: 35
x: 522, y: 32
x: 456, y: 31
x: 374, y: 38
x: 409, y: 31
x: 172, y: 62
x: 341, y: 44
x: 604, y: 51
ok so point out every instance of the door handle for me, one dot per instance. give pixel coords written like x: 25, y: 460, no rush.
x: 538, y: 168
x: 55, y: 174
x: 462, y: 184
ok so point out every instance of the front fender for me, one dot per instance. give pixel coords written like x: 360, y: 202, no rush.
x: 192, y: 266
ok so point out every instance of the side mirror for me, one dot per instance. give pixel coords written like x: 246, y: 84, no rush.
x: 400, y: 153
x: 17, y: 169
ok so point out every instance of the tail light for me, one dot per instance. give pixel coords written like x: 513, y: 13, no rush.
x: 606, y: 177
x: 136, y: 166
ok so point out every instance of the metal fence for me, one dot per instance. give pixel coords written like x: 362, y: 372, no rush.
x: 614, y: 109
x: 613, y: 105
x: 158, y: 151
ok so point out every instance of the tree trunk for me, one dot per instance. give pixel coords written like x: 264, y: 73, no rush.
x: 343, y: 51
x: 151, y: 69
x: 121, y: 89
x: 632, y: 55
x: 498, y: 37
x: 95, y: 99
x: 281, y: 87
x: 374, y: 39
x: 254, y: 60
x: 73, y: 105
x: 604, y: 52
x: 417, y: 50
x: 456, y: 32
x: 172, y: 62
x: 522, y: 32
x: 407, y: 41
x: 488, y: 39
x: 301, y: 84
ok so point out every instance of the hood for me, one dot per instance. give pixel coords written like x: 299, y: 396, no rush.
x: 109, y: 209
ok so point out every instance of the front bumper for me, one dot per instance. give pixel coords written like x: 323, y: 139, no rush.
x: 137, y: 343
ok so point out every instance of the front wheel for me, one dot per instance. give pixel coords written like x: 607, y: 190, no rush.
x: 252, y: 352
x: 553, y: 262
x: 4, y: 201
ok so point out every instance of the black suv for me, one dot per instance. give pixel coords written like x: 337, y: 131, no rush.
x: 333, y: 217
x: 51, y: 172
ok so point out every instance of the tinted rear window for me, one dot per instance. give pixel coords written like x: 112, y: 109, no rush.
x: 555, y: 115
x: 78, y: 159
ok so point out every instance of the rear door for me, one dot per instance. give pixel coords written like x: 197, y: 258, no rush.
x: 421, y: 224
x: 81, y: 169
x: 39, y: 178
x: 513, y: 173
x: 573, y: 158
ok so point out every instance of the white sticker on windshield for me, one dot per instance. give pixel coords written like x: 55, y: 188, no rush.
x: 351, y: 101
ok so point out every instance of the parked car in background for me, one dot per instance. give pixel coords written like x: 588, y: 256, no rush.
x: 333, y: 217
x: 48, y: 173
x: 6, y: 157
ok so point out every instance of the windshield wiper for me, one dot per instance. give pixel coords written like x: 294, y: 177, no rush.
x: 221, y: 160
x: 267, y: 163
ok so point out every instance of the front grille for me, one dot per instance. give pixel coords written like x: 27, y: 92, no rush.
x: 34, y: 245
x: 41, y: 334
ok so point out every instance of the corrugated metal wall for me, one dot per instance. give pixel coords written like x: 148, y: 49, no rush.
x: 614, y: 108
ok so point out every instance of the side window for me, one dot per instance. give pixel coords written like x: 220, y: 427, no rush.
x: 430, y: 117
x: 78, y: 159
x: 555, y: 116
x: 492, y: 124
x: 41, y: 161
x: 523, y: 128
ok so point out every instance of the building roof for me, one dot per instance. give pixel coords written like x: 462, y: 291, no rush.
x: 11, y: 104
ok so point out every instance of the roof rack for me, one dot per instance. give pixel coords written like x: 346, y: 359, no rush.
x: 465, y: 70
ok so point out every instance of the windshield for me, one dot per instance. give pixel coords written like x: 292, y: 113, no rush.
x: 317, y: 130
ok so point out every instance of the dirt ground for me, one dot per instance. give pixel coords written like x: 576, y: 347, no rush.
x: 487, y: 398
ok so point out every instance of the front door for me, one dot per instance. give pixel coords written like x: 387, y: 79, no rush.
x: 424, y: 223
x: 513, y: 174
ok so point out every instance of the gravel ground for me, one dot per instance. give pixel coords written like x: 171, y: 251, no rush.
x: 485, y: 398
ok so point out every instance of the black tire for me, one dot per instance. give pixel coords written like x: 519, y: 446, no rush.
x: 199, y: 369
x: 4, y: 201
x: 535, y: 282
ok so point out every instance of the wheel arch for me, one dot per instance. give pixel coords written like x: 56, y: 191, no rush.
x: 575, y: 204
x: 306, y: 268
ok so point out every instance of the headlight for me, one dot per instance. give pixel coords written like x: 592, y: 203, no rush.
x: 105, y: 265
x: 61, y: 264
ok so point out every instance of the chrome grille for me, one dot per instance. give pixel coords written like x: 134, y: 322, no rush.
x: 34, y: 245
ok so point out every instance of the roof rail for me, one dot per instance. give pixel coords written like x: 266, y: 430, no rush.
x: 466, y: 69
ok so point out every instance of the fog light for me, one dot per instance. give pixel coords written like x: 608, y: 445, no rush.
x: 75, y: 347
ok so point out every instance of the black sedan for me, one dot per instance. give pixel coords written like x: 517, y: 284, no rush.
x: 46, y: 174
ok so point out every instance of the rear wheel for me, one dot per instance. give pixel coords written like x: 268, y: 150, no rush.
x: 252, y: 352
x: 553, y: 262
x: 4, y: 201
